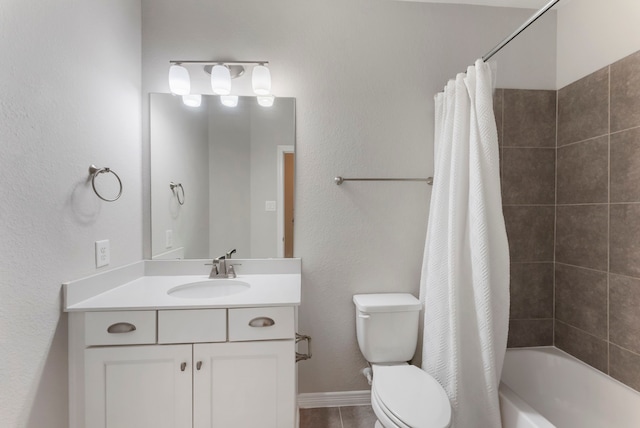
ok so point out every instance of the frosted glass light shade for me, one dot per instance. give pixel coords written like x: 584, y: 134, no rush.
x: 266, y: 100
x: 220, y: 80
x: 261, y: 80
x: 229, y: 100
x: 179, y: 81
x: 192, y: 100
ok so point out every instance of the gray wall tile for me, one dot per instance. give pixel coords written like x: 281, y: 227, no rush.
x: 529, y: 118
x: 530, y: 232
x: 624, y: 312
x: 581, y: 345
x: 581, y: 235
x: 583, y: 172
x: 625, y: 166
x: 531, y: 290
x: 583, y: 108
x: 528, y: 176
x: 523, y: 333
x: 624, y: 252
x: 581, y: 299
x: 625, y: 93
x: 624, y: 366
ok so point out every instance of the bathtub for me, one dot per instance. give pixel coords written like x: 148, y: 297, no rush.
x: 546, y: 387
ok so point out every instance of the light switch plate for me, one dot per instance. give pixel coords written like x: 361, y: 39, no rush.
x: 169, y: 239
x: 270, y: 205
x: 103, y: 253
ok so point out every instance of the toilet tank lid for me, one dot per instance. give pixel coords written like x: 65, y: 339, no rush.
x: 386, y: 302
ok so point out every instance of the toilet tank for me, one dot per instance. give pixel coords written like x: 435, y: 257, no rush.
x: 387, y: 326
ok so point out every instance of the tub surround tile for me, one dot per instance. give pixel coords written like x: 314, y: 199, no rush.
x: 581, y: 235
x: 624, y: 366
x: 534, y: 332
x: 581, y: 345
x: 358, y: 417
x: 625, y: 166
x: 625, y: 93
x: 529, y: 118
x: 531, y: 290
x: 581, y: 299
x: 583, y: 108
x: 624, y: 312
x: 324, y: 417
x: 624, y: 250
x: 528, y: 176
x: 583, y: 172
x: 530, y: 232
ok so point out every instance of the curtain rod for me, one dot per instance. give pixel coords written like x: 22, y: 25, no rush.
x: 516, y: 33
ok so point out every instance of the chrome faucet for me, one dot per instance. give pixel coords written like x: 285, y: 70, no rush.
x: 221, y: 268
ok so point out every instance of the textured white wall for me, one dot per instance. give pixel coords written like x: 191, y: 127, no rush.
x: 363, y: 73
x: 593, y: 34
x: 69, y: 97
x: 180, y: 153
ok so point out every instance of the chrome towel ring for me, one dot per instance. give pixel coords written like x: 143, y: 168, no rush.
x: 173, y: 186
x: 94, y: 171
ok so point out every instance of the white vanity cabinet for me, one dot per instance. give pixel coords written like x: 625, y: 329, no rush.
x: 138, y: 386
x: 187, y: 368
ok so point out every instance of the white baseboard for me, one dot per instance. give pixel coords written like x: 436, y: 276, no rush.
x: 334, y: 399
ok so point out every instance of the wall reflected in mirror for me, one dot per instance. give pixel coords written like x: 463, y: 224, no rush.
x: 221, y: 178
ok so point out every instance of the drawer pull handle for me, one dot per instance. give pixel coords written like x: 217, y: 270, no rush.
x: 121, y: 327
x: 261, y: 322
x: 198, y: 365
x: 183, y: 366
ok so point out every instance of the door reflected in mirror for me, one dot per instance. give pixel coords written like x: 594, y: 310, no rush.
x: 222, y: 178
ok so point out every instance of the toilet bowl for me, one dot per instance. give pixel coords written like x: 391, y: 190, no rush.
x: 402, y: 395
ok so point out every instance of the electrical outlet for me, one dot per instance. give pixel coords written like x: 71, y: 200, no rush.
x: 103, y: 254
x: 169, y: 239
x: 270, y: 205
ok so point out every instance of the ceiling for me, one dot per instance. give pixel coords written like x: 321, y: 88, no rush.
x: 527, y: 4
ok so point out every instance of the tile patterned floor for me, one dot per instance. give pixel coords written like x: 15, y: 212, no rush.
x: 338, y: 417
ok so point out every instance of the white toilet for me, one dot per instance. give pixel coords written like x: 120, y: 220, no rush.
x: 402, y: 395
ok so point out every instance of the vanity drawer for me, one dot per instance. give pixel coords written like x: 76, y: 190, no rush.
x: 192, y: 326
x: 261, y: 324
x: 120, y: 328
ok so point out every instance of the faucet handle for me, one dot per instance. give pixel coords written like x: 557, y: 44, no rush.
x: 231, y: 252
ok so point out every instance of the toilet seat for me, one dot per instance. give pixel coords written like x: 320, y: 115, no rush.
x: 409, y: 398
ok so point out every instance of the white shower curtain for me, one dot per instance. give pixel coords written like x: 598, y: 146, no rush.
x: 465, y: 273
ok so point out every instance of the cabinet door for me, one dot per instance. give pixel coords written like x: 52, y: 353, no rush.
x: 244, y: 385
x: 138, y: 387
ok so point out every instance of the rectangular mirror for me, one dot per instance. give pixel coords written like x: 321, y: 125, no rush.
x: 221, y: 178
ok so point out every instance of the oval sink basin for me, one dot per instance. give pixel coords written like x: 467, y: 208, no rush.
x: 209, y: 289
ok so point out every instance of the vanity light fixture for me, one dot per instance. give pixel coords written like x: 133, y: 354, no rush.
x: 222, y: 72
x: 261, y: 80
x: 229, y: 100
x: 179, y: 81
x: 192, y: 100
x: 266, y: 100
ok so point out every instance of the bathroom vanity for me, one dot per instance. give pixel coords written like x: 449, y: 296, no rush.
x: 159, y: 344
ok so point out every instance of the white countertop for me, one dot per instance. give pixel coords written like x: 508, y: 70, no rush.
x: 150, y: 292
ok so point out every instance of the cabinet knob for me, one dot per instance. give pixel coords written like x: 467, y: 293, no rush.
x: 121, y: 327
x: 183, y: 366
x: 261, y: 322
x: 198, y: 365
